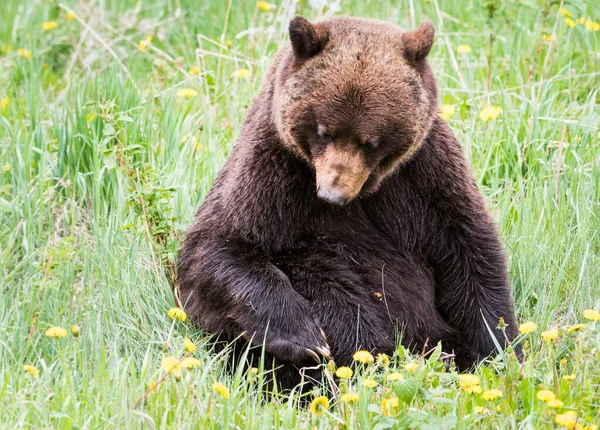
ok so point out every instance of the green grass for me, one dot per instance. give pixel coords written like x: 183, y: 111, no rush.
x: 102, y: 166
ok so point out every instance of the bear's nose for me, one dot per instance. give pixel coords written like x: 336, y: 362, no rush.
x: 331, y: 197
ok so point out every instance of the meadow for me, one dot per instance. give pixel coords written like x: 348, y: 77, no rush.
x: 115, y: 118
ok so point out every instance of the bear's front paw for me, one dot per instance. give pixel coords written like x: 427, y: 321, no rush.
x: 307, y: 341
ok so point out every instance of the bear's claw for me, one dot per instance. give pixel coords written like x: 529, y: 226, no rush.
x: 324, y: 351
x: 313, y: 355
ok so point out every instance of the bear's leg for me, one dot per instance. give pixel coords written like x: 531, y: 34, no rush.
x: 232, y: 288
x: 472, y: 289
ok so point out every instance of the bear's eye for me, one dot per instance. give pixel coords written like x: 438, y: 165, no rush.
x: 323, y: 134
x: 373, y: 142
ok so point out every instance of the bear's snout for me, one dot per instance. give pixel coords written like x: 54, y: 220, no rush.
x: 341, y: 173
x: 331, y: 197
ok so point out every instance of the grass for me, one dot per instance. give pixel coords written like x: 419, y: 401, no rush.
x: 102, y: 165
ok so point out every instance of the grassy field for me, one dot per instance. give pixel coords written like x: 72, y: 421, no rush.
x: 115, y: 117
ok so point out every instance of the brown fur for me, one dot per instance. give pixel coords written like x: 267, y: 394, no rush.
x: 347, y: 115
x: 376, y: 90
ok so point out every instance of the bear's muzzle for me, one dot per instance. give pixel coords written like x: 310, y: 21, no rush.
x: 341, y: 173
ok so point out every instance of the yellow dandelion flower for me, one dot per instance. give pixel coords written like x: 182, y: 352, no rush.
x: 569, y: 377
x: 242, y: 73
x: 24, y: 52
x: 70, y: 16
x: 32, y: 370
x: 187, y: 93
x: 547, y: 37
x: 189, y: 345
x: 170, y: 364
x: 363, y: 356
x: 580, y: 21
x: 49, y: 25
x: 4, y: 102
x: 591, y: 314
x: 576, y: 327
x: 220, y: 389
x: 563, y: 361
x: 491, y: 394
x: 446, y: 111
x: 549, y: 335
x: 545, y: 395
x: 383, y: 359
x: 568, y: 419
x: 177, y: 313
x: 469, y: 383
x: 555, y: 404
x: 344, y: 372
x: 369, y: 383
x: 527, y: 327
x: 490, y: 112
x: 464, y: 49
x: 480, y: 410
x: 263, y: 5
x: 591, y: 25
x: 152, y: 386
x: 56, y: 332
x: 75, y: 330
x: 471, y: 389
x: 190, y: 362
x: 468, y: 379
x: 143, y: 44
x: 229, y: 43
x: 565, y: 12
x: 570, y: 23
x: 7, y: 167
x: 350, y: 398
x: 389, y: 406
x: 394, y: 377
x: 319, y: 405
x: 590, y: 427
x: 194, y: 71
x: 411, y: 367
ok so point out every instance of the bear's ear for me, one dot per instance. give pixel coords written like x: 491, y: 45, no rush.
x: 417, y: 43
x: 307, y: 39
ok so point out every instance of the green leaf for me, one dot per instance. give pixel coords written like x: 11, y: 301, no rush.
x: 437, y: 352
x: 405, y: 390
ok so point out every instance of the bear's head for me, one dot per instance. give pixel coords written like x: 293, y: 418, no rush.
x: 354, y: 98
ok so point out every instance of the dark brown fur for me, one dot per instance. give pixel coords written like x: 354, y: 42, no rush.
x: 413, y: 247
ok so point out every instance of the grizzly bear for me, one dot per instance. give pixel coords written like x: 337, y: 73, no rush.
x: 347, y: 213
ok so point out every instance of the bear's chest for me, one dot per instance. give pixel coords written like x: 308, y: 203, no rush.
x: 393, y: 220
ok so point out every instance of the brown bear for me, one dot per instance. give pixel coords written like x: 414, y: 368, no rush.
x: 347, y: 213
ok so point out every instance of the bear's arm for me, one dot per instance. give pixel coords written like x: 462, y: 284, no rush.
x: 463, y: 249
x: 231, y: 288
x: 226, y: 277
